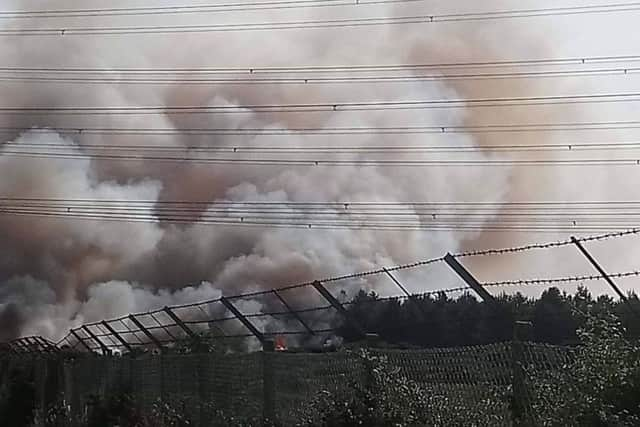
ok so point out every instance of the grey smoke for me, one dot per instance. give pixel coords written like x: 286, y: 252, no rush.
x: 55, y: 274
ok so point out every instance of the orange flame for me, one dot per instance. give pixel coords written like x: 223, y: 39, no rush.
x: 280, y: 343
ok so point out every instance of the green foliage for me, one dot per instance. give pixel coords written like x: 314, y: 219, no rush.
x: 118, y: 410
x: 385, y: 398
x: 17, y: 398
x: 55, y: 416
x: 123, y: 411
x: 440, y: 321
x: 601, y: 387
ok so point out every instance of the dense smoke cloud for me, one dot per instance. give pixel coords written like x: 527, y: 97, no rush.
x: 57, y: 273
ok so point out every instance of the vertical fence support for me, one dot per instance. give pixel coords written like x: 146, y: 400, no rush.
x: 600, y: 270
x: 22, y: 347
x: 339, y: 307
x: 410, y: 297
x: 268, y: 383
x: 247, y: 324
x: 69, y: 398
x: 397, y: 282
x: 81, y: 341
x: 145, y: 331
x: 117, y: 336
x: 103, y: 347
x: 203, y: 379
x: 521, y: 334
x: 371, y: 342
x: 180, y: 323
x: 293, y: 312
x: 162, y: 379
x: 39, y: 369
x: 604, y: 275
x: 468, y: 278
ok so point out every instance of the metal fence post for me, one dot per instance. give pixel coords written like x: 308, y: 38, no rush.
x: 371, y: 342
x: 521, y: 334
x: 203, y: 369
x: 39, y: 368
x: 268, y: 383
x: 162, y: 379
x: 71, y: 398
x: 469, y: 279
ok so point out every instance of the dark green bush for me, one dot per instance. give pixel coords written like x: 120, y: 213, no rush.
x: 18, y: 399
x: 600, y: 387
x: 384, y: 397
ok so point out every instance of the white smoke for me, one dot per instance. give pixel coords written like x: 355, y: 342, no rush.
x: 57, y: 273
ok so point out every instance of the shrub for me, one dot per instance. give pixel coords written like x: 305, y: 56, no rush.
x: 600, y: 387
x: 18, y: 399
x: 387, y: 398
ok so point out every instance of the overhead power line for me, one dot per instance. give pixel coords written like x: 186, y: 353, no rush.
x: 374, y: 216
x: 526, y: 204
x: 432, y: 216
x: 310, y: 80
x: 320, y: 225
x: 537, y: 62
x: 331, y: 106
x: 591, y: 210
x: 137, y: 149
x: 396, y: 130
x: 318, y: 161
x: 192, y: 9
x: 327, y: 23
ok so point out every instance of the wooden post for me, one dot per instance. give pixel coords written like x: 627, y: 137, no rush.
x: 521, y: 333
x: 268, y: 383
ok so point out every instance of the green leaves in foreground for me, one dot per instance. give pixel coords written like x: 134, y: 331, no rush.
x: 601, y: 387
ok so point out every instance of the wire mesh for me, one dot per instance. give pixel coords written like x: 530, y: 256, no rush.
x: 473, y: 383
x: 298, y: 312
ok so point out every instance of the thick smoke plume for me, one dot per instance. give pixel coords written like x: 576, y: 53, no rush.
x: 57, y: 273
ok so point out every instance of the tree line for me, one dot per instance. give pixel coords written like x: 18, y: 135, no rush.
x: 441, y: 321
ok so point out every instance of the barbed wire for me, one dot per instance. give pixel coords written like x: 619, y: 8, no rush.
x: 561, y: 280
x: 177, y: 329
x: 549, y: 245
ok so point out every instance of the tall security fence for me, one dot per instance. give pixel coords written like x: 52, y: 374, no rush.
x: 196, y: 359
x: 309, y: 313
x: 484, y: 385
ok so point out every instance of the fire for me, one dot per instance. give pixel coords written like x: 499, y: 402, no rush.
x: 280, y: 343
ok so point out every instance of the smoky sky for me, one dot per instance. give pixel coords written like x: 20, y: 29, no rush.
x: 58, y: 273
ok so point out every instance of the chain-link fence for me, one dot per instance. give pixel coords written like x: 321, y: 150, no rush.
x: 484, y: 385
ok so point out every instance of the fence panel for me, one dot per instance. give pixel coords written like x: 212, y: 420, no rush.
x: 299, y: 378
x: 211, y: 389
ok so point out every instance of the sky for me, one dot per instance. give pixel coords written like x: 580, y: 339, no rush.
x: 57, y: 272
